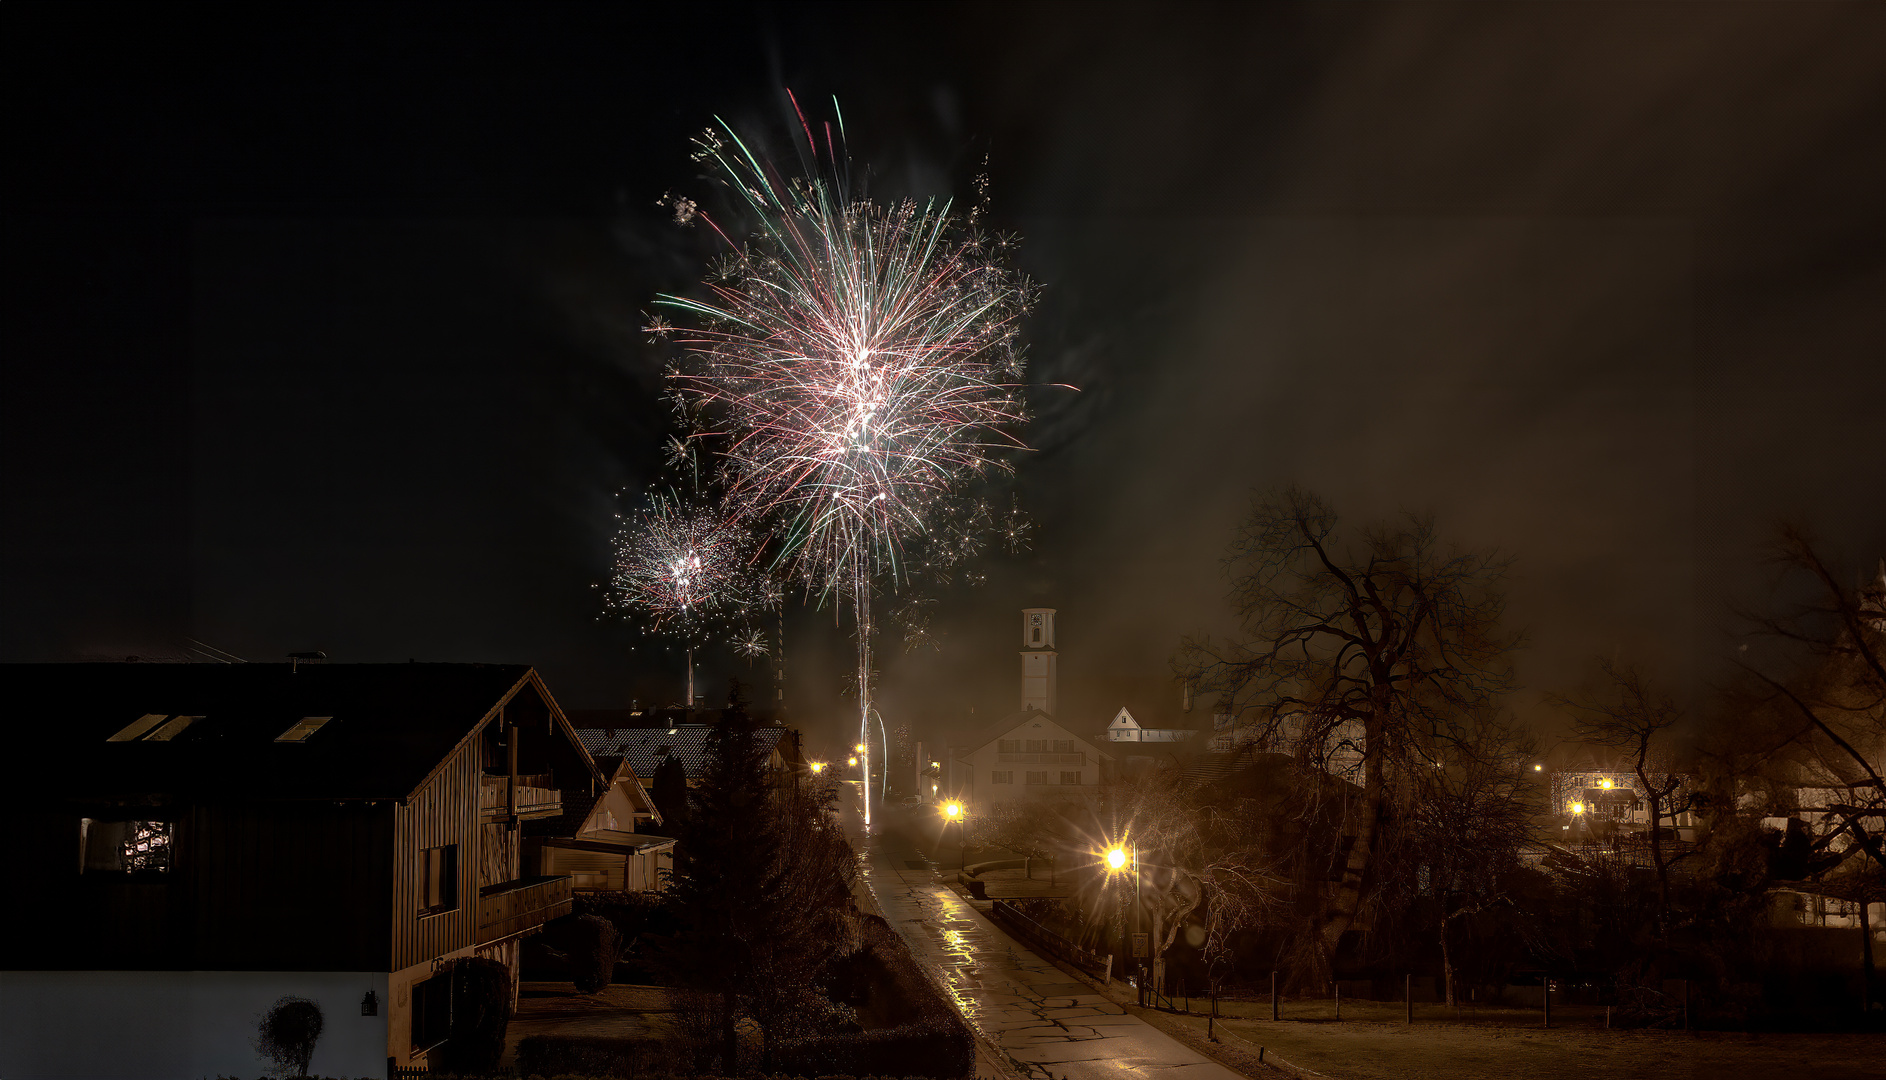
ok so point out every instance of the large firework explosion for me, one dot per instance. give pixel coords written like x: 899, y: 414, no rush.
x: 858, y: 366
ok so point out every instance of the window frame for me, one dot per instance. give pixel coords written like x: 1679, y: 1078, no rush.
x: 447, y: 880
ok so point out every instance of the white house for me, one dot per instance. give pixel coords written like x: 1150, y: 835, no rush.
x: 1127, y: 729
x: 1030, y: 754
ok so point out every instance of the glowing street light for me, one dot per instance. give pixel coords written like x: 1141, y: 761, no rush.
x: 1116, y: 858
x: 818, y: 767
x: 852, y: 761
x: 1578, y: 808
x: 1606, y: 784
x: 953, y: 811
x: 1538, y: 768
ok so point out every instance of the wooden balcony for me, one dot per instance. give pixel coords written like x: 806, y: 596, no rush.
x: 536, y: 798
x: 514, y: 907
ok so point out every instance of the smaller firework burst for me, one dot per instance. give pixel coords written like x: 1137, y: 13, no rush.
x: 680, y: 564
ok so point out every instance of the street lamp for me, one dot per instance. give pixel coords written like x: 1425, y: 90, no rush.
x: 852, y: 761
x: 1578, y: 808
x: 818, y: 767
x: 1116, y: 860
x: 954, y: 813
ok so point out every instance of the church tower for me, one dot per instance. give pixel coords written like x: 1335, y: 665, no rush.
x: 1039, y: 668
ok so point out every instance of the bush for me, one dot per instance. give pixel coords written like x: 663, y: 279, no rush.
x: 590, y: 1055
x: 287, y: 1034
x: 938, y: 1047
x: 595, y: 946
x: 481, y: 1010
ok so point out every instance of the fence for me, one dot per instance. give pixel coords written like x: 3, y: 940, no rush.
x: 1047, y: 940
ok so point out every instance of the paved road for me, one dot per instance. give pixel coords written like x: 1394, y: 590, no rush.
x: 1048, y: 1025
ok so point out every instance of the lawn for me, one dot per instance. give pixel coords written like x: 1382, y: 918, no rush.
x: 1372, y: 1041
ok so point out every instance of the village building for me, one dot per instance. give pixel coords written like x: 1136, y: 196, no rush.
x: 1030, y: 754
x: 220, y: 836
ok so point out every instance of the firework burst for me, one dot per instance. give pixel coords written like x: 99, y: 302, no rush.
x: 857, y: 365
x: 681, y: 565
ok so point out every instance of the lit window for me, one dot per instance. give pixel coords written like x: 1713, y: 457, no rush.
x: 303, y: 728
x: 124, y: 847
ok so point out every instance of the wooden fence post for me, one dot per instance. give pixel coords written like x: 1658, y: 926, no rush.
x: 1407, y: 993
x: 1109, y: 969
x: 1545, y: 996
x: 1274, y: 1014
x: 1338, y: 1001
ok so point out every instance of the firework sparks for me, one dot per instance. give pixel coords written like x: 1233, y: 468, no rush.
x: 679, y: 564
x: 859, y: 365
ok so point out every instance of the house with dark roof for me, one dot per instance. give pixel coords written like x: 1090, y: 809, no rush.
x: 204, y: 839
x: 643, y: 749
x: 604, y: 842
x: 1027, y: 755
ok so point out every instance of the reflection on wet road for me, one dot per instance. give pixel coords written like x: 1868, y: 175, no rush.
x: 1043, y: 1021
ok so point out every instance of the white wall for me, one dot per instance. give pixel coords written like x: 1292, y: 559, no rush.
x: 178, y: 1025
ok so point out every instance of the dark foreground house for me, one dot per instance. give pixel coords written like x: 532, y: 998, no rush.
x: 192, y: 842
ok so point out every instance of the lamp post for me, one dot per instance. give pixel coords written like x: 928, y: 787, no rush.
x: 953, y: 813
x: 1116, y: 860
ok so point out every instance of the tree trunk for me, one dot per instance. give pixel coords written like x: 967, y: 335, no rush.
x: 729, y: 1035
x: 1447, y: 959
x: 1866, y: 957
x: 1348, y: 898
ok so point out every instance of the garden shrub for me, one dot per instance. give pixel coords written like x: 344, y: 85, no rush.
x: 481, y: 1010
x: 595, y: 946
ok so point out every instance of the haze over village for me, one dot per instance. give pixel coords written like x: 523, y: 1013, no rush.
x: 1029, y: 542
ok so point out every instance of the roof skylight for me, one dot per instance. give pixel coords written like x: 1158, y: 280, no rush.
x: 303, y: 728
x: 154, y: 727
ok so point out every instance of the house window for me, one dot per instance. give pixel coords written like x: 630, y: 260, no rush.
x: 1038, y: 777
x: 432, y: 1011
x: 1070, y: 779
x: 438, y: 879
x: 1008, y: 746
x: 124, y: 847
x: 1034, y: 746
x: 1007, y: 777
x: 1064, y: 746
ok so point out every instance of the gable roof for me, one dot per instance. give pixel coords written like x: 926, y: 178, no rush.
x: 644, y: 749
x: 392, y: 726
x: 1017, y: 719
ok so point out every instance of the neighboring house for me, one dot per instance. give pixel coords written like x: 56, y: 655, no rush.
x: 601, y: 842
x: 1126, y: 729
x: 1594, y: 793
x: 644, y: 749
x: 1029, y: 755
x: 203, y: 839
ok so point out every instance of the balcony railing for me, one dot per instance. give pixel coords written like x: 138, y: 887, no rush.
x: 536, y: 798
x: 1041, y: 759
x: 513, y: 907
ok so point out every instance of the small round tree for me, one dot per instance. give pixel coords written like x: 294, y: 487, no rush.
x: 595, y: 946
x: 287, y: 1034
x: 481, y: 1010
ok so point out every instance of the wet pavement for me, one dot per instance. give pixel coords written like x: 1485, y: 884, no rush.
x: 1042, y: 1023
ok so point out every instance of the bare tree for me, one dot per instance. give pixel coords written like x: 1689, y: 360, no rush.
x: 1471, y: 813
x: 1382, y: 631
x: 1626, y: 712
x: 1825, y: 699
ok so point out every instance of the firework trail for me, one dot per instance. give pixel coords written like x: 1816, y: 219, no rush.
x: 858, y: 364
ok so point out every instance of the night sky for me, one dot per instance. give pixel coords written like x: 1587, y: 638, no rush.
x: 321, y: 323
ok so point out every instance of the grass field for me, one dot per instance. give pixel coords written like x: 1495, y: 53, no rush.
x: 1372, y: 1041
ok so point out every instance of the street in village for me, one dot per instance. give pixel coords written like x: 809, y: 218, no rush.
x: 1033, y: 1018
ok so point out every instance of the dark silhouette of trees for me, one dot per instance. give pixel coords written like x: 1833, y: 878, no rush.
x: 1377, y: 637
x: 670, y: 792
x: 1626, y: 713
x: 762, y: 890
